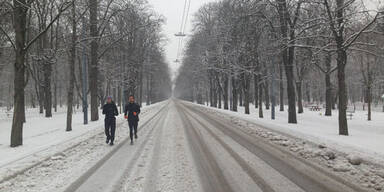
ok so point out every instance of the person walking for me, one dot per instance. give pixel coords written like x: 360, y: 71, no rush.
x: 131, y: 113
x: 110, y: 112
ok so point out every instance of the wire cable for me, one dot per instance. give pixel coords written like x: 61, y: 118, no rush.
x: 183, y: 26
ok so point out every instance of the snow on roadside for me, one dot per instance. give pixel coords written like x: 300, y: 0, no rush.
x: 53, y: 145
x: 319, y: 147
x: 40, y: 133
x: 366, y: 137
x: 59, y: 170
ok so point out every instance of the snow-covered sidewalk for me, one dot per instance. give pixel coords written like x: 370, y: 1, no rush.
x: 45, y: 138
x: 366, y: 137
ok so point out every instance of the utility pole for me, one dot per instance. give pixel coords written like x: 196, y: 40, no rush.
x: 84, y: 75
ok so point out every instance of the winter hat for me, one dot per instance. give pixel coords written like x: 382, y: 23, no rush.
x: 109, y: 97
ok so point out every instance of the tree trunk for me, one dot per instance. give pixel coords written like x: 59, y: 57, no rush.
x: 72, y: 60
x: 341, y: 61
x: 141, y: 84
x: 55, y: 90
x: 256, y: 87
x: 114, y: 92
x: 41, y: 97
x: 234, y: 94
x: 93, y: 72
x: 10, y: 93
x: 60, y: 98
x: 207, y: 98
x: 335, y: 100
x: 241, y: 97
x: 47, y: 70
x: 299, y: 97
x: 308, y: 92
x: 147, y: 87
x: 47, y: 89
x: 291, y: 96
x: 192, y: 95
x: 288, y: 56
x: 214, y: 94
x: 261, y: 115
x: 369, y: 90
x: 246, y: 87
x: 226, y: 85
x: 267, y: 100
x: 150, y: 89
x: 119, y: 97
x: 33, y: 100
x: 210, y: 91
x: 281, y: 84
x: 20, y: 17
x: 328, y: 87
x: 219, y: 95
x: 230, y: 89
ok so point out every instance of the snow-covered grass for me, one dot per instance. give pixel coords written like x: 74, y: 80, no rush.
x: 39, y: 133
x: 6, y: 114
x: 366, y: 137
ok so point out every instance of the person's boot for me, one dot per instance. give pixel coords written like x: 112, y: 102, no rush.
x: 135, y: 136
x: 111, y: 144
x: 131, y: 142
x: 107, y: 141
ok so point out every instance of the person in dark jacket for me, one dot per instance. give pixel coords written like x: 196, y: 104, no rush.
x: 110, y: 112
x: 131, y: 113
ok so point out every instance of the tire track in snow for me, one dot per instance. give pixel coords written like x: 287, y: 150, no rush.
x: 132, y: 163
x: 212, y: 178
x: 265, y: 187
x: 150, y: 184
x: 85, y: 177
x: 301, y: 173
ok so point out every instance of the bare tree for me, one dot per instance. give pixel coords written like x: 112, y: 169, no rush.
x: 21, y: 46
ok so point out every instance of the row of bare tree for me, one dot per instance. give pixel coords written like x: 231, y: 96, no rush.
x: 105, y: 47
x: 244, y: 51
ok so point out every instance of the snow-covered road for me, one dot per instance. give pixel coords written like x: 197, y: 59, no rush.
x: 182, y: 147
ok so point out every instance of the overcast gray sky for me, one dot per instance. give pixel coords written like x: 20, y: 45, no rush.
x: 172, y: 10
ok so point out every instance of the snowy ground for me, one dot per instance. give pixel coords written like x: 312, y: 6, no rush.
x: 316, y: 139
x: 366, y: 137
x: 188, y: 147
x: 6, y: 115
x: 160, y: 160
x: 40, y: 133
x: 47, y: 143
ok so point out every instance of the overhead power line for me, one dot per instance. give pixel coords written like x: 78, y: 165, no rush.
x: 183, y: 27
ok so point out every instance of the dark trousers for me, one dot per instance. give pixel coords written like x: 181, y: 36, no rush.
x: 110, y: 127
x: 132, y: 128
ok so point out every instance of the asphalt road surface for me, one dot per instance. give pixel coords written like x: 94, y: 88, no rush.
x: 182, y: 148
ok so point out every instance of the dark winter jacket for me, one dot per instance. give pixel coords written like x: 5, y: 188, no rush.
x: 110, y: 110
x: 129, y: 109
